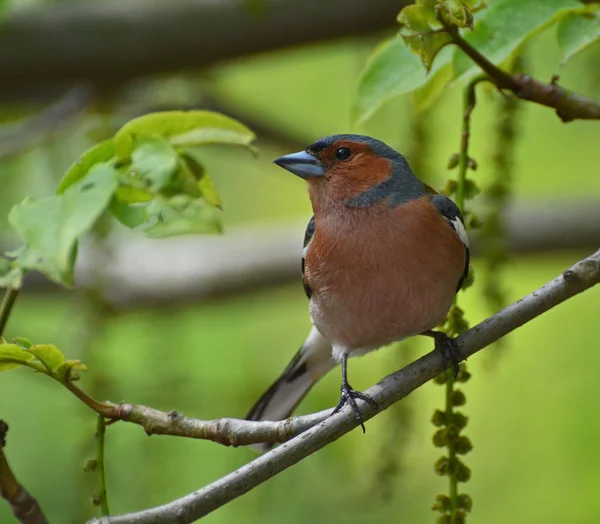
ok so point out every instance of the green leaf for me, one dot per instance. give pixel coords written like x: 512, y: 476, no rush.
x: 183, y: 128
x: 458, y: 12
x: 67, y: 370
x: 424, y: 97
x: 47, y: 354
x: 12, y: 356
x: 50, y: 228
x: 154, y: 162
x: 206, y: 135
x: 132, y: 195
x: 130, y: 215
x: 391, y: 71
x: 422, y: 32
x: 202, y: 180
x: 502, y: 29
x: 576, y: 32
x: 23, y: 343
x: 102, y: 152
x: 182, y: 215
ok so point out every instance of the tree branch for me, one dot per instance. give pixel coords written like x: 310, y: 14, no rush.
x: 226, y: 431
x: 24, y: 507
x: 110, y: 43
x: 568, y: 105
x: 583, y: 275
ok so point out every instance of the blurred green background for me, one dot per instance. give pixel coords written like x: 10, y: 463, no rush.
x: 532, y: 403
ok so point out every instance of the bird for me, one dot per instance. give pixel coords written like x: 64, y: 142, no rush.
x: 384, y: 256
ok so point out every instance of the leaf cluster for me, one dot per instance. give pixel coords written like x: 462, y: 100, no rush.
x: 43, y: 358
x: 419, y: 62
x: 147, y: 176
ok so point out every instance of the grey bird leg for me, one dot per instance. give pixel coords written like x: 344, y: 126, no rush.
x: 447, y: 347
x: 349, y: 395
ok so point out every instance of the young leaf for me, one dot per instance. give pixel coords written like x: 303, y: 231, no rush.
x: 12, y: 356
x: 132, y: 195
x: 576, y: 32
x: 183, y: 215
x: 392, y: 70
x: 50, y: 228
x: 501, y: 30
x: 102, y: 152
x: 422, y: 32
x: 203, y: 182
x: 427, y: 95
x: 154, y: 162
x: 130, y: 215
x: 23, y: 343
x: 67, y: 370
x: 47, y: 354
x: 183, y: 128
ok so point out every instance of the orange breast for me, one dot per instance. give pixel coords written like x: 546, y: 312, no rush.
x: 393, y: 275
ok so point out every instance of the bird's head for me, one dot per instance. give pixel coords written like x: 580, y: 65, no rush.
x: 353, y: 171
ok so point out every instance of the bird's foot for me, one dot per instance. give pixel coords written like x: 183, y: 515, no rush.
x: 349, y: 396
x: 449, y: 350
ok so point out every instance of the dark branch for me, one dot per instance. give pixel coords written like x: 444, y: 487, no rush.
x: 16, y: 138
x: 110, y: 43
x: 568, y: 105
x: 391, y: 389
x: 24, y: 507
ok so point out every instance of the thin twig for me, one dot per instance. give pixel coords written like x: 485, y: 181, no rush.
x: 225, y: 431
x: 583, y: 275
x: 568, y: 105
x: 10, y: 296
x: 102, y: 493
x: 24, y: 507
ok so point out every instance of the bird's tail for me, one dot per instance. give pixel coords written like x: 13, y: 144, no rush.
x: 312, y: 361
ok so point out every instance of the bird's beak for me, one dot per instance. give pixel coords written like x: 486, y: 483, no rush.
x: 302, y: 164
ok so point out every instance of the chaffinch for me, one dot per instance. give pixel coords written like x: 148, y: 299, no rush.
x: 384, y: 255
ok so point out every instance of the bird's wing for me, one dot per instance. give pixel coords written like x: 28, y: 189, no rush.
x: 449, y: 210
x: 310, y: 231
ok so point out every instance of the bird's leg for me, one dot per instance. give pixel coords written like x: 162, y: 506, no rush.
x: 448, y: 348
x: 349, y: 395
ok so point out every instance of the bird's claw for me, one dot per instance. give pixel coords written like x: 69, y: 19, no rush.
x: 349, y: 396
x: 450, y: 352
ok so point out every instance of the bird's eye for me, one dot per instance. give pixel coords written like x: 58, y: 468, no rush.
x: 343, y: 153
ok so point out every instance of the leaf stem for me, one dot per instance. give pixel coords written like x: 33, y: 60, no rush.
x: 6, y: 307
x: 102, y: 493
